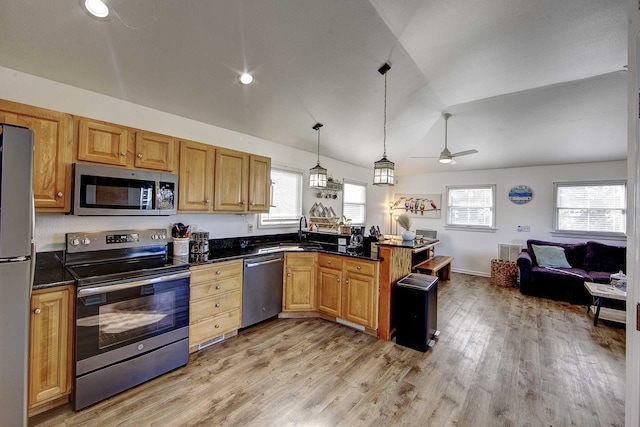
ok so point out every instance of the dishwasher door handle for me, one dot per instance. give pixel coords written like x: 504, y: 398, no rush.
x: 256, y: 264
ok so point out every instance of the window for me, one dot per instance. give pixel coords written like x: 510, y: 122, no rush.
x: 286, y: 208
x: 471, y: 206
x: 354, y: 205
x: 590, y: 207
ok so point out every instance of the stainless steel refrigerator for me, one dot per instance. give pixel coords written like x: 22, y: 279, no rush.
x: 17, y: 261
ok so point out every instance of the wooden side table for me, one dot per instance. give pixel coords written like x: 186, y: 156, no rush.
x: 600, y: 292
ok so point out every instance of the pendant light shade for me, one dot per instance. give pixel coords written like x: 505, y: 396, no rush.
x: 383, y: 169
x: 318, y: 174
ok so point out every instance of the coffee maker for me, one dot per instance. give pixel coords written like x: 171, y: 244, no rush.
x: 356, y: 240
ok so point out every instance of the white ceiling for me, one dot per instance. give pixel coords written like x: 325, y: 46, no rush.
x: 528, y: 82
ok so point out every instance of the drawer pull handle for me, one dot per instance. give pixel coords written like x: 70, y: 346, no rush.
x: 328, y: 261
x: 218, y: 287
x: 358, y: 267
x: 217, y: 326
x: 36, y: 311
x: 217, y: 305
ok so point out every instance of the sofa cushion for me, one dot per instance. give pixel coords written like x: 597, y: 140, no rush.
x: 550, y: 256
x: 606, y: 258
x: 576, y: 273
x: 575, y: 252
x: 600, y: 276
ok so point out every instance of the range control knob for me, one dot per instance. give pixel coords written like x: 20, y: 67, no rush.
x: 163, y: 236
x: 86, y: 241
x: 154, y: 237
x: 75, y: 241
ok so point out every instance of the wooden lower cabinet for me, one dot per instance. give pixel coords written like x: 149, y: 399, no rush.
x: 50, y: 351
x: 215, y: 306
x: 330, y: 291
x: 299, y: 282
x: 360, y: 299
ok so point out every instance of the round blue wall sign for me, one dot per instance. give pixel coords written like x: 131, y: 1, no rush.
x: 521, y: 194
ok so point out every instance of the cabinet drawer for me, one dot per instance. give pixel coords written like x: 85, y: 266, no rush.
x: 213, y: 327
x: 362, y: 267
x: 215, y: 287
x: 330, y: 261
x: 300, y: 259
x: 215, y: 271
x: 213, y: 306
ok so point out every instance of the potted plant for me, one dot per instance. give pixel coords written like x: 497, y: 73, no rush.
x: 345, y: 225
x: 404, y: 221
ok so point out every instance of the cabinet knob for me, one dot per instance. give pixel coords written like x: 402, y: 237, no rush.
x: 217, y: 326
x: 358, y: 267
x: 218, y: 272
x: 241, y: 203
x: 288, y: 274
x: 338, y: 280
x: 218, y: 305
x: 218, y: 287
x: 36, y: 311
x: 139, y: 155
x: 252, y: 204
x: 346, y: 281
x: 206, y: 201
x: 328, y: 261
x: 59, y: 194
x: 123, y: 153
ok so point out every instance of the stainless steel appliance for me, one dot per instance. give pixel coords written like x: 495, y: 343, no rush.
x: 17, y: 260
x: 103, y: 190
x: 132, y: 311
x: 262, y: 288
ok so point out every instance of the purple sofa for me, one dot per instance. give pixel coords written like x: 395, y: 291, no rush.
x: 590, y: 261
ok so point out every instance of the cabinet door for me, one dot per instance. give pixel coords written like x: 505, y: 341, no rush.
x: 329, y: 291
x: 360, y: 297
x: 102, y: 143
x: 259, y: 183
x: 50, y: 348
x: 52, y: 155
x: 154, y: 151
x: 230, y: 181
x: 299, y: 291
x: 195, y: 177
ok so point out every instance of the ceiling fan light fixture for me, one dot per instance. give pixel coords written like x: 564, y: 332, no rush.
x: 97, y: 8
x: 383, y: 169
x: 445, y: 160
x: 245, y: 78
x: 318, y: 174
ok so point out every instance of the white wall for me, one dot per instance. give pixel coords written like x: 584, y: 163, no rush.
x: 50, y: 227
x: 473, y: 251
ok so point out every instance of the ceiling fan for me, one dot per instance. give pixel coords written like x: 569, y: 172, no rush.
x: 447, y: 156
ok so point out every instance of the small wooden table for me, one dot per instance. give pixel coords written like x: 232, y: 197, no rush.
x: 600, y: 292
x: 439, y: 265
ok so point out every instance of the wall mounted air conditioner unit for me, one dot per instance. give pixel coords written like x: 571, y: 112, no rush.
x: 508, y: 252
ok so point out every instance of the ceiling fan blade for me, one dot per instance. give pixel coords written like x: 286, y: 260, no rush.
x: 464, y: 153
x: 424, y: 157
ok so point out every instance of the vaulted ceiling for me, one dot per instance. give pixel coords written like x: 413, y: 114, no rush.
x: 528, y: 82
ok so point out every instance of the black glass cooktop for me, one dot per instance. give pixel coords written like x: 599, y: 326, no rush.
x: 117, y: 270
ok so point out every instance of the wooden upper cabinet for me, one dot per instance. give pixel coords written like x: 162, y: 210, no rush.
x: 196, y: 177
x: 231, y: 181
x: 50, y: 353
x: 100, y: 142
x: 154, y: 151
x: 259, y: 184
x: 52, y: 156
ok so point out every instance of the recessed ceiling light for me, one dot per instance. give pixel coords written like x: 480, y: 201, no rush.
x: 97, y: 8
x: 245, y: 78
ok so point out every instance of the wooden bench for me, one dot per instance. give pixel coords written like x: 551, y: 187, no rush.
x: 439, y: 265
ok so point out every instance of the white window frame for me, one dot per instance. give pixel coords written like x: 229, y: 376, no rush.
x: 586, y: 233
x: 490, y: 228
x: 263, y: 221
x: 344, y: 202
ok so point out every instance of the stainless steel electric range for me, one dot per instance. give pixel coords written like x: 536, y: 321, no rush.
x: 132, y: 310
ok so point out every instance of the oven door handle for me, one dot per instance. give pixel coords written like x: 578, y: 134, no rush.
x: 83, y: 292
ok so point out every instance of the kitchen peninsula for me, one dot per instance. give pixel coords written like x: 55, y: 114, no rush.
x: 398, y: 258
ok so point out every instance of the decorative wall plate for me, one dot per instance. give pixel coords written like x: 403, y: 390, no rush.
x: 521, y: 194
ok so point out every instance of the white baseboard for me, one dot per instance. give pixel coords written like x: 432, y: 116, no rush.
x: 471, y: 272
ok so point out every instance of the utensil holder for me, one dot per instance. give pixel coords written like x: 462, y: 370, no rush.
x: 180, y: 246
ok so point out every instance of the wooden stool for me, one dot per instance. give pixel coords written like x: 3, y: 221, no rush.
x: 439, y: 265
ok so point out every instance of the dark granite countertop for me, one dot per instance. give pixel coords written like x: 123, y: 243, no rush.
x: 50, y: 271
x: 410, y: 244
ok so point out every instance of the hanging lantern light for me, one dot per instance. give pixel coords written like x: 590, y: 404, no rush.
x: 383, y: 169
x: 318, y: 174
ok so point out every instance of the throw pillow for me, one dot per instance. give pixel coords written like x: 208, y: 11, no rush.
x: 607, y: 258
x: 550, y: 256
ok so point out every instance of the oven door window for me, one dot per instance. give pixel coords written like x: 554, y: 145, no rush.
x: 101, y: 192
x: 110, y: 320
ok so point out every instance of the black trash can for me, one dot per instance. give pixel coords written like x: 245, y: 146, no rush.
x: 416, y: 311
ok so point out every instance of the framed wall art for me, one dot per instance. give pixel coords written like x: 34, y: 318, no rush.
x: 418, y: 205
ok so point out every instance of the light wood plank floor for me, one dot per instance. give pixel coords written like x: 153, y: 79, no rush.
x: 502, y: 359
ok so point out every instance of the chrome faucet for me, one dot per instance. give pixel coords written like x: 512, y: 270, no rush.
x: 303, y: 220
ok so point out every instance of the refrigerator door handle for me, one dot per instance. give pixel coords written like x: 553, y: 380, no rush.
x: 33, y: 244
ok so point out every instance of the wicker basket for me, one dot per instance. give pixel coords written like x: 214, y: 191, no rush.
x: 503, y: 273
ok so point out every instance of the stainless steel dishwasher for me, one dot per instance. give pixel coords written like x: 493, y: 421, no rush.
x: 262, y: 288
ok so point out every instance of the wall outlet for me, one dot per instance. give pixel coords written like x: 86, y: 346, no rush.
x: 249, y: 228
x: 526, y: 228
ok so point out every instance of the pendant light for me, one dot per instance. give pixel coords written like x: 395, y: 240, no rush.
x: 383, y: 169
x: 318, y: 174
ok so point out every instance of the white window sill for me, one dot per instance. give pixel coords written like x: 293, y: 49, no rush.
x: 587, y: 235
x: 471, y: 228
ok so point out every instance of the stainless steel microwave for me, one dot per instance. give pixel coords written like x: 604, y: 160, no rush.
x: 103, y: 190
